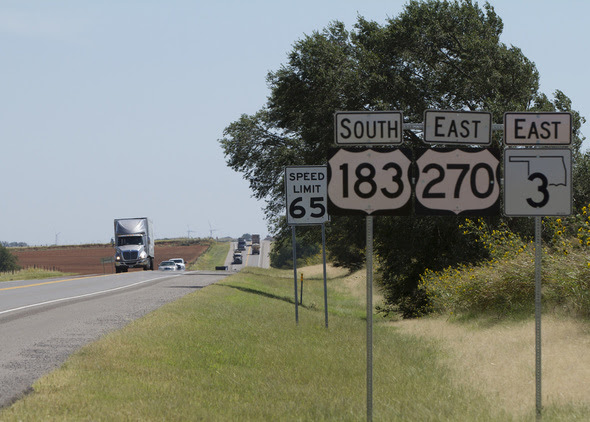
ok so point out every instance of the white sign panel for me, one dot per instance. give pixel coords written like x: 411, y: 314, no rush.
x: 458, y: 127
x: 306, y: 193
x: 537, y: 128
x: 368, y: 128
x: 369, y: 182
x: 537, y: 182
x: 458, y: 182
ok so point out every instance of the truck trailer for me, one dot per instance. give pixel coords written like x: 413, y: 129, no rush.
x: 134, y: 244
x: 255, y: 244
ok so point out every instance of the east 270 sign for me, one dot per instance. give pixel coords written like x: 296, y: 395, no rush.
x: 448, y: 181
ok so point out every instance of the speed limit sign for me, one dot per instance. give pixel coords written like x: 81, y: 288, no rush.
x: 458, y: 181
x: 368, y: 181
x: 306, y: 193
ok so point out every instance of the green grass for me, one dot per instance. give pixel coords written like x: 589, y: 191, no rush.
x: 214, y: 256
x: 232, y: 351
x: 30, y: 274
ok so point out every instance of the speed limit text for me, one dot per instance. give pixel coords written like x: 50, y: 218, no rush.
x: 305, y: 177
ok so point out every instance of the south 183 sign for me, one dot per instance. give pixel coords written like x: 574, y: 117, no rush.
x: 368, y: 181
x: 306, y: 194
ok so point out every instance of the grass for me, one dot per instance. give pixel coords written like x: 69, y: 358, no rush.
x: 215, y: 256
x: 232, y: 351
x: 30, y: 274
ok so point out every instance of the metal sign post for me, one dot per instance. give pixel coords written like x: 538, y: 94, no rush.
x: 369, y: 258
x: 538, y: 258
x: 325, y: 281
x: 295, y: 273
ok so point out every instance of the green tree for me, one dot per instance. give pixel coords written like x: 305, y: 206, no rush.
x: 8, y: 262
x: 434, y: 55
x: 281, y: 254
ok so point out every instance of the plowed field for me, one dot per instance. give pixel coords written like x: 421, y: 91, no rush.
x: 88, y: 259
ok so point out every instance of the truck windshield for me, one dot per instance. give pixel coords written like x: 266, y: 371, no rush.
x: 130, y: 240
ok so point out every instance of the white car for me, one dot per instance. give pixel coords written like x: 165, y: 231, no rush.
x: 180, y: 265
x: 167, y: 266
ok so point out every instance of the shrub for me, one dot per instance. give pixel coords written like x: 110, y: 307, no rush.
x: 505, y: 284
x: 8, y: 262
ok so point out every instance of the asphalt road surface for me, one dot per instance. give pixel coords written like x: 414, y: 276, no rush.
x: 259, y: 260
x: 43, y: 321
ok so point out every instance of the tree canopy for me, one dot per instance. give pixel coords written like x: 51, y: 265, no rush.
x: 435, y: 55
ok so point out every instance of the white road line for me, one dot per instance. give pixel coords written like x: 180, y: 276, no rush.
x: 80, y: 296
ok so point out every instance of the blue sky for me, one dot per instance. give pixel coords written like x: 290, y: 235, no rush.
x: 114, y: 108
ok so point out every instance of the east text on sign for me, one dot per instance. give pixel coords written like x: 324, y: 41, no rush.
x: 537, y: 128
x: 458, y: 127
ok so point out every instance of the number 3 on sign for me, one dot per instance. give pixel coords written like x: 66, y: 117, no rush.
x: 367, y: 181
x: 537, y: 182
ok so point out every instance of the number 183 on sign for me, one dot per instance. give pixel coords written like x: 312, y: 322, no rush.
x: 369, y: 181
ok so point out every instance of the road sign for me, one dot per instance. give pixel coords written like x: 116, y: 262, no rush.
x: 306, y: 194
x: 458, y: 127
x: 456, y: 181
x: 368, y: 127
x: 369, y: 182
x: 537, y: 128
x: 537, y: 182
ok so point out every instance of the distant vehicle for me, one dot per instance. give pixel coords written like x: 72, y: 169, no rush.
x: 180, y: 265
x: 134, y: 244
x: 167, y: 266
x: 241, y: 243
x: 237, y: 258
x: 255, y: 244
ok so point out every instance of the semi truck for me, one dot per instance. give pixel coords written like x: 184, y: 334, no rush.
x: 241, y: 243
x: 134, y: 244
x: 255, y: 244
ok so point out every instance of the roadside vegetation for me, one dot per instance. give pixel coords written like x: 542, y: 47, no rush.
x: 232, y: 351
x: 30, y: 274
x: 504, y: 284
x: 213, y: 257
x: 8, y: 261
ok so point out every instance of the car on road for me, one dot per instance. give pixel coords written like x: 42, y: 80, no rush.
x: 237, y: 258
x: 167, y: 266
x: 180, y: 265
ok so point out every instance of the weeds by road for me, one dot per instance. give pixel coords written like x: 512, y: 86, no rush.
x: 232, y: 351
x: 215, y: 256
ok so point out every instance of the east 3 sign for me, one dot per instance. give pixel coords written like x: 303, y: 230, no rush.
x: 446, y: 181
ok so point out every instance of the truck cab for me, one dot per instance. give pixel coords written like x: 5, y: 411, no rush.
x: 134, y: 244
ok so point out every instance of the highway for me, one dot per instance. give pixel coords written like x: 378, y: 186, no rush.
x: 259, y: 260
x: 43, y: 321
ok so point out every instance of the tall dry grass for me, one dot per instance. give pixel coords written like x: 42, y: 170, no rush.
x: 498, y: 359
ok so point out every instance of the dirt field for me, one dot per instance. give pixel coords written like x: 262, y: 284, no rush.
x: 87, y: 259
